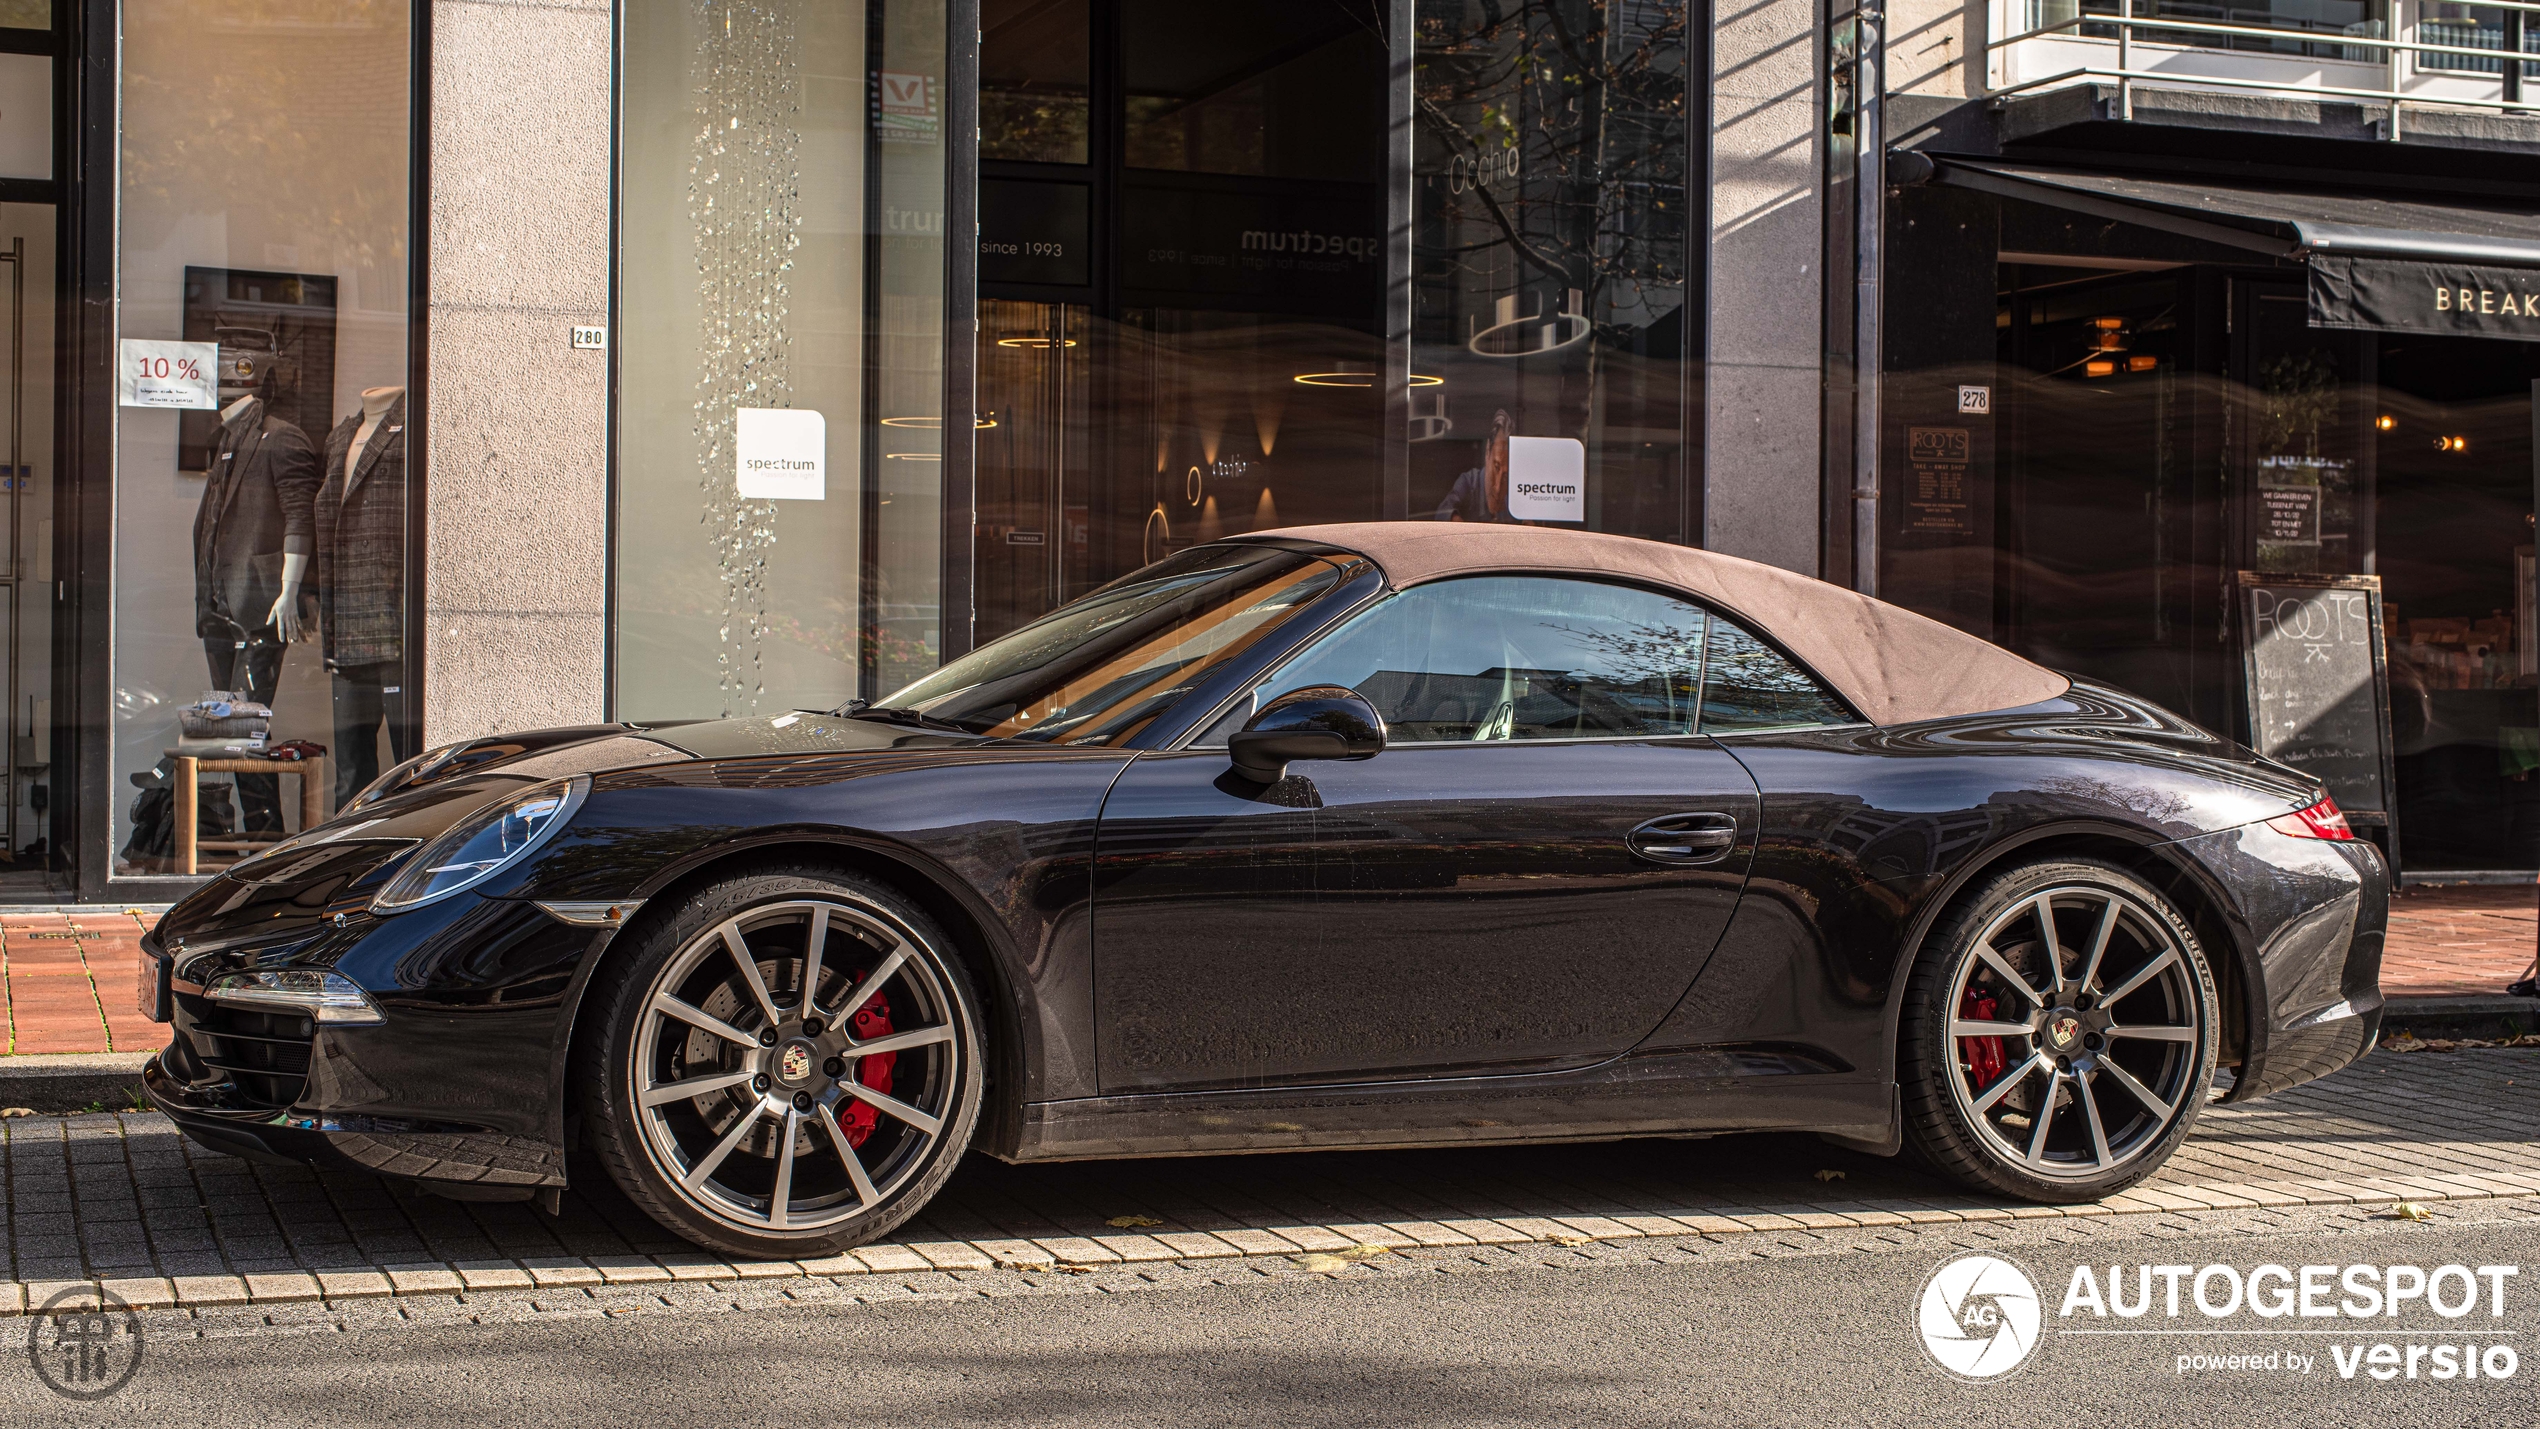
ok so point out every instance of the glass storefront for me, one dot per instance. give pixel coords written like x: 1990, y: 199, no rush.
x: 259, y: 579
x: 2170, y: 428
x: 780, y: 335
x: 1233, y: 274
x: 1206, y: 330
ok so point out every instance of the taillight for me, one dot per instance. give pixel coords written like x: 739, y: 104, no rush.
x: 2323, y: 820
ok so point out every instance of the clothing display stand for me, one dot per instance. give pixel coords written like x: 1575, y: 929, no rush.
x: 189, y: 773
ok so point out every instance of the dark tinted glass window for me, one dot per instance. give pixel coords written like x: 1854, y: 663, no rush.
x: 1099, y: 669
x: 1749, y: 685
x: 1034, y: 60
x: 1516, y: 657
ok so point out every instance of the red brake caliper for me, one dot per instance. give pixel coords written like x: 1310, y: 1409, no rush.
x: 871, y: 1020
x: 1984, y: 1054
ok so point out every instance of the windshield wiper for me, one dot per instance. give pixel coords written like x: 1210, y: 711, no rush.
x: 912, y: 719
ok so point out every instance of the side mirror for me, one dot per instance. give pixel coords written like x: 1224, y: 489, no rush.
x: 1317, y: 722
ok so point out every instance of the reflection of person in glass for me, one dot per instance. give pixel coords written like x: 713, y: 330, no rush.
x: 253, y: 537
x: 1482, y: 493
x: 361, y: 523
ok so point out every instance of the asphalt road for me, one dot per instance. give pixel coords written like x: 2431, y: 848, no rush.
x: 1800, y: 1336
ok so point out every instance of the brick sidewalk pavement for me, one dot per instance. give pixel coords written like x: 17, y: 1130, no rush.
x: 66, y: 980
x: 124, y: 1199
x: 2459, y: 940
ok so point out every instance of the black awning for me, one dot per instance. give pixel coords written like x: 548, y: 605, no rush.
x: 2376, y: 264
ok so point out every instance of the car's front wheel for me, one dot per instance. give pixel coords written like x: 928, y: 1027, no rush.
x: 787, y: 1065
x: 2059, y: 1034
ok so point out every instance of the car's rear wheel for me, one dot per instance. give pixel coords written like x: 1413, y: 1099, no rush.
x: 788, y: 1064
x: 2059, y: 1035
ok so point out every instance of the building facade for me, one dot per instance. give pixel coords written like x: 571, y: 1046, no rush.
x: 388, y: 373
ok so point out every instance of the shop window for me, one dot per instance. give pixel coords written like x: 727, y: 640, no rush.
x: 780, y: 393
x: 2474, y: 27
x: 1288, y: 90
x: 26, y: 14
x: 260, y: 530
x: 2156, y: 434
x: 1034, y: 78
x: 1548, y: 265
x: 1191, y: 333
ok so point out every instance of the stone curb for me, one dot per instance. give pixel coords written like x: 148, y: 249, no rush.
x: 71, y: 1081
x: 2486, y: 1015
x: 1079, y: 1255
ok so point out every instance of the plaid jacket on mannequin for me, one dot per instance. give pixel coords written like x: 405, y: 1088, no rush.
x: 361, y: 531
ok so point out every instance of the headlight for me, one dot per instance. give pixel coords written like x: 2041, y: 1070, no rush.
x: 328, y: 997
x: 482, y: 844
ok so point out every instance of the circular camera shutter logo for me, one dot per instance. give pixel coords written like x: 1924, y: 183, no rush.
x: 1979, y: 1317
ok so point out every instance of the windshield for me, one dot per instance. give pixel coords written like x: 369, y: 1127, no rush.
x: 1098, y: 670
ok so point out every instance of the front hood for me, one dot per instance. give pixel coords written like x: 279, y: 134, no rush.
x: 287, y: 892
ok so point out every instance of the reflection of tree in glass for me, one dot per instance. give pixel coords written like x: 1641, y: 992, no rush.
x: 1749, y: 685
x: 1579, y: 107
x: 1638, y: 652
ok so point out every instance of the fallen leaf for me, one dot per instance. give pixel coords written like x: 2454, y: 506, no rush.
x: 1041, y: 1266
x: 1569, y: 1238
x: 2407, y: 1211
x: 17, y: 1111
x: 1829, y: 1175
x: 1126, y: 1223
x: 1070, y: 1268
x: 1317, y: 1261
x: 1365, y: 1251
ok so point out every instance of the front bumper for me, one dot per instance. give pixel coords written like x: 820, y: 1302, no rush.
x: 459, y: 1088
x: 465, y: 1163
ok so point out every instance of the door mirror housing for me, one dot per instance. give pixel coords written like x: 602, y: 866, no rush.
x: 1317, y: 722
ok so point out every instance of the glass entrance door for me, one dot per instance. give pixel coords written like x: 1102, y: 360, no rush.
x: 27, y: 860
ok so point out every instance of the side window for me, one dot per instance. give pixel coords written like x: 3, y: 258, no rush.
x: 1513, y: 657
x: 1749, y: 685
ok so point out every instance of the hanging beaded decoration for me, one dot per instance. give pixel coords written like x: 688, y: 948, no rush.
x: 744, y: 185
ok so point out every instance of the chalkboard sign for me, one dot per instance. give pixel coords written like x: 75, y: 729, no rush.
x: 2318, y: 685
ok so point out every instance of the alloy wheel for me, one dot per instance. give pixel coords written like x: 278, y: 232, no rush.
x: 795, y: 1065
x: 2077, y: 1030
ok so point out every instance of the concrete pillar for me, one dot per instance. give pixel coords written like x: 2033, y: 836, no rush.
x: 1760, y: 482
x: 516, y: 417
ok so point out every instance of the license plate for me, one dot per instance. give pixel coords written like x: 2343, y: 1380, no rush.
x: 153, y: 986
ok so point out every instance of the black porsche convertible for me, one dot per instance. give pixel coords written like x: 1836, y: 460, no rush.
x: 1373, y: 835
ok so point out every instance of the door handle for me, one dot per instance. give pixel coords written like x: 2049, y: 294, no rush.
x: 1685, y: 838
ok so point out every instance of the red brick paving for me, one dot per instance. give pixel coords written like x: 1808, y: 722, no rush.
x: 67, y: 980
x: 2459, y: 940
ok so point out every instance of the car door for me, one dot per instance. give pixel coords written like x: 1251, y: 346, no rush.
x: 1528, y: 877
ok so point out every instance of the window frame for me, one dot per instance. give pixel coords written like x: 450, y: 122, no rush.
x: 1200, y: 727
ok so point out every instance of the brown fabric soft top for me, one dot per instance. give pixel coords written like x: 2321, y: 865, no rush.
x: 1892, y: 665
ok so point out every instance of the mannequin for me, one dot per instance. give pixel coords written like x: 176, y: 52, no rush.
x: 361, y: 528
x: 285, y: 616
x: 254, y: 536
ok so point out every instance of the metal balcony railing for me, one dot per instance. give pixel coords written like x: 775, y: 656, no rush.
x: 2467, y: 62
